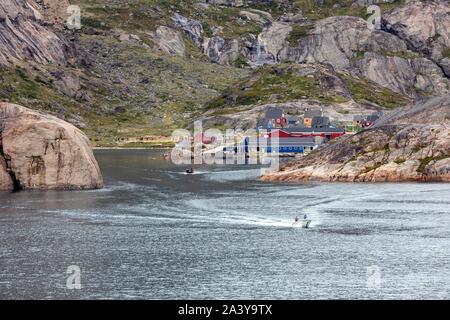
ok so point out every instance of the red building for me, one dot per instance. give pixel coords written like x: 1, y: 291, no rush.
x: 328, y: 133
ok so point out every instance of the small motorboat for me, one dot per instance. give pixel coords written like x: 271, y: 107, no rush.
x: 190, y: 171
x: 304, y: 223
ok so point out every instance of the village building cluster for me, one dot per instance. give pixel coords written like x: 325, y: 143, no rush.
x: 300, y: 135
x: 295, y: 135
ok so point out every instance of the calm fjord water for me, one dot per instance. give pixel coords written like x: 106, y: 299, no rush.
x: 156, y: 233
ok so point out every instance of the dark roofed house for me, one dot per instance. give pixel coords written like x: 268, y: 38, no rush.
x: 372, y: 118
x: 320, y: 122
x: 274, y: 113
x: 359, y: 119
x: 265, y: 123
x: 292, y: 121
x: 311, y: 113
x: 367, y: 120
x: 274, y: 118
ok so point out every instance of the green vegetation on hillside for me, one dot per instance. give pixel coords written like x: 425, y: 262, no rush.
x: 427, y: 160
x: 155, y: 93
x: 140, y: 16
x: 401, y: 54
x: 284, y: 83
x: 269, y: 85
x: 297, y: 33
x: 446, y: 53
x: 365, y: 91
x: 314, y: 11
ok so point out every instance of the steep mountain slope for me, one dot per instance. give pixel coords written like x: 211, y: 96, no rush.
x: 411, y: 144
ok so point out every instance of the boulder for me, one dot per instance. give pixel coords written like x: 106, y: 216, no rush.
x: 170, y: 41
x: 220, y: 50
x: 273, y: 39
x: 40, y: 151
x: 128, y: 37
x: 193, y: 28
x: 256, y: 15
x: 213, y: 47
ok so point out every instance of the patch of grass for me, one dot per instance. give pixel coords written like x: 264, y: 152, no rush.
x: 288, y: 86
x: 88, y: 22
x: 297, y: 33
x: 416, y: 149
x: 365, y: 91
x: 409, y: 55
x: 426, y: 161
x: 359, y: 55
x: 228, y: 18
x: 241, y: 62
x: 275, y: 8
x: 399, y: 161
x: 446, y: 53
x: 314, y: 11
x: 372, y: 168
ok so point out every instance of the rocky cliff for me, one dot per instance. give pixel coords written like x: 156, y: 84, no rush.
x: 411, y: 144
x: 38, y: 151
x: 24, y: 37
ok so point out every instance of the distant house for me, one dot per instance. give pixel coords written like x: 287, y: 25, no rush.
x: 320, y: 122
x: 358, y: 119
x: 370, y: 120
x: 265, y: 123
x: 309, y: 116
x: 274, y: 118
x: 292, y: 121
x: 367, y: 120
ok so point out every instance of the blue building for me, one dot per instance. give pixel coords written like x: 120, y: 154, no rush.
x: 284, y: 145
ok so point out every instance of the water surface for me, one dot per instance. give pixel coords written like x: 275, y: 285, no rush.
x: 156, y: 233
